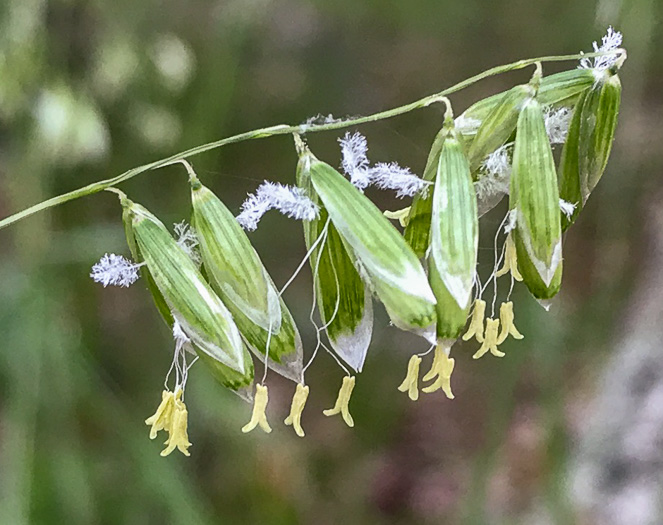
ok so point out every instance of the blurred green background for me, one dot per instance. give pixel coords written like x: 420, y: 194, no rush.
x: 561, y: 431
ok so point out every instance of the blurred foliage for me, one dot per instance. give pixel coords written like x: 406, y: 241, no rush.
x: 91, y: 88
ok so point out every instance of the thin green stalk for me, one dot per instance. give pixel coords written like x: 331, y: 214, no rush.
x: 283, y: 129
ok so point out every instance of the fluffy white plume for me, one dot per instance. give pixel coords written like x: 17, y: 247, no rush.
x: 496, y: 170
x: 187, y: 240
x: 355, y: 160
x: 115, y: 270
x: 557, y: 122
x: 612, y: 40
x: 253, y: 209
x: 567, y: 208
x: 394, y: 177
x: 384, y: 175
x: 289, y: 200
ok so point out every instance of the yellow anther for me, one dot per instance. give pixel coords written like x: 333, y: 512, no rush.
x: 401, y: 215
x: 179, y: 437
x: 411, y: 381
x: 434, y: 367
x: 443, y: 366
x: 162, y: 418
x: 508, y: 328
x: 258, y: 416
x: 342, y: 401
x: 298, y: 402
x: 476, y: 323
x: 490, y: 343
x: 510, y: 260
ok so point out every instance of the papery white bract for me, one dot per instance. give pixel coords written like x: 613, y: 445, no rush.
x: 557, y: 121
x: 467, y: 125
x: 115, y: 270
x: 355, y: 160
x: 612, y: 40
x: 187, y: 240
x: 289, y: 200
x: 394, y: 177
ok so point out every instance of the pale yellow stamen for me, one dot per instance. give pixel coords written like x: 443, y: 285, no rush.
x: 434, y: 367
x: 410, y: 383
x: 258, y: 416
x: 510, y: 260
x: 298, y: 402
x: 401, y: 215
x: 476, y: 323
x: 343, y: 400
x: 443, y: 366
x: 508, y: 328
x: 490, y: 343
x: 179, y: 437
x: 162, y: 418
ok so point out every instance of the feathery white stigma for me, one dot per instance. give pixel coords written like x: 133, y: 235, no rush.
x: 567, y: 208
x: 187, y: 240
x: 394, y: 177
x: 289, y: 200
x: 115, y: 270
x: 498, y: 163
x: 355, y: 160
x: 497, y: 171
x: 612, y: 40
x: 557, y: 121
x: 384, y: 175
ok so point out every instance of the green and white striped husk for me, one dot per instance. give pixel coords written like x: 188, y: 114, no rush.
x: 238, y: 276
x: 559, y: 89
x: 454, y: 237
x: 597, y: 132
x: 344, y: 300
x: 417, y: 231
x: 534, y: 196
x: 239, y: 382
x: 499, y: 124
x: 201, y: 314
x: 587, y: 149
x: 380, y: 253
x: 569, y: 165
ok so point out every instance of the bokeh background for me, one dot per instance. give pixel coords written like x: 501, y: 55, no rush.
x: 568, y: 428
